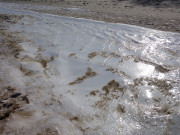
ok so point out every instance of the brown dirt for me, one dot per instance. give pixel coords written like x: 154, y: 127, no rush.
x: 88, y: 74
x: 92, y: 55
x: 11, y: 98
x: 162, y: 16
x: 103, y: 54
x: 72, y: 54
x: 10, y: 40
x: 109, y: 92
x: 121, y: 109
x: 10, y: 101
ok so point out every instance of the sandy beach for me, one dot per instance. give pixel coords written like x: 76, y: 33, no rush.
x: 163, y: 15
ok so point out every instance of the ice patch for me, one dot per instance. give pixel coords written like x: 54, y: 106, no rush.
x: 90, y: 77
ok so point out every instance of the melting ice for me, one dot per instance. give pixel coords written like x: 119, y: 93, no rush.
x: 96, y: 78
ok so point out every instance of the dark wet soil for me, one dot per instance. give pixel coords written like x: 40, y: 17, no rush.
x: 11, y: 98
x: 10, y: 101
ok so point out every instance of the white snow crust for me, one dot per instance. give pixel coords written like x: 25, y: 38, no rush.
x: 133, y: 89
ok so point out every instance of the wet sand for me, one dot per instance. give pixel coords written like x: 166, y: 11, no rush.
x: 162, y: 16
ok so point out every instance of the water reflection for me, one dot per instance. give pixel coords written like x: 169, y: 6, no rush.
x: 149, y: 93
x: 145, y: 69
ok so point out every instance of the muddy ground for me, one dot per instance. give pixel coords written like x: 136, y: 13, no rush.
x: 11, y: 98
